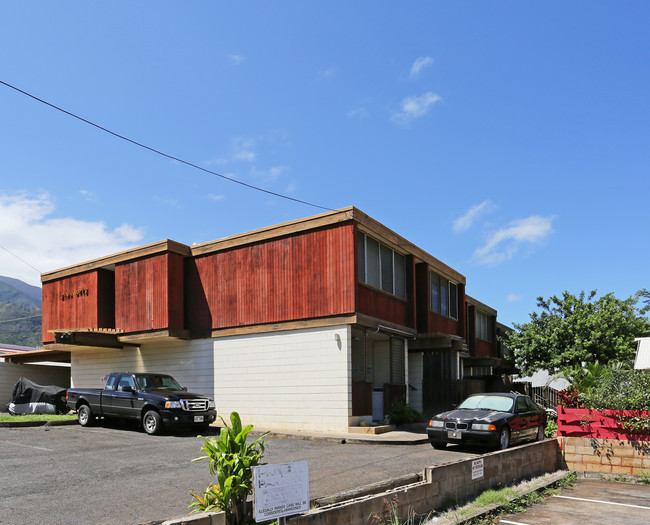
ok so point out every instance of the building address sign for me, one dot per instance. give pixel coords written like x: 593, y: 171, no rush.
x: 81, y: 292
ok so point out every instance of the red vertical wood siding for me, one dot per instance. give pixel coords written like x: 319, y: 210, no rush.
x: 149, y: 293
x: 302, y: 276
x: 384, y: 306
x: 86, y: 300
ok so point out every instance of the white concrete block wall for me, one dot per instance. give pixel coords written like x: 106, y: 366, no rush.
x: 294, y: 380
x: 415, y: 375
x: 10, y: 373
x: 190, y: 362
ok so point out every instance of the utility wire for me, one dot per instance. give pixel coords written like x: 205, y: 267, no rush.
x: 19, y: 318
x: 23, y: 260
x: 161, y: 153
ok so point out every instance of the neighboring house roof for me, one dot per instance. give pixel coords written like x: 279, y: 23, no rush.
x: 15, y: 349
x: 642, y: 361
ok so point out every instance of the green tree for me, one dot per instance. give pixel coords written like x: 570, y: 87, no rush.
x: 571, y: 330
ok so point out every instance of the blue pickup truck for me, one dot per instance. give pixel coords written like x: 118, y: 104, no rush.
x: 155, y: 399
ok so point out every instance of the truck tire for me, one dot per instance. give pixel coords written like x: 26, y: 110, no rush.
x: 152, y: 422
x: 85, y: 416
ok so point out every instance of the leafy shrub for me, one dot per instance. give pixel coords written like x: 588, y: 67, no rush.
x: 402, y: 415
x: 619, y: 389
x: 231, y: 458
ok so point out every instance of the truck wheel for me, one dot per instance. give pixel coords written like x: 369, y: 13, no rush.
x: 85, y: 416
x: 152, y: 422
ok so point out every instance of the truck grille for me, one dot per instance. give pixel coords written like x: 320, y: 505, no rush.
x: 194, y: 405
x: 451, y: 425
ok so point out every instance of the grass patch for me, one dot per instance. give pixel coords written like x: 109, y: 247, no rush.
x: 5, y: 417
x: 509, y: 500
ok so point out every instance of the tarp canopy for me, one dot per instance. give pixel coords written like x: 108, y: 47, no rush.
x: 29, y: 398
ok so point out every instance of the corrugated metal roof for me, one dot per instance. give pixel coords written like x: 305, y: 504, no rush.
x: 642, y: 360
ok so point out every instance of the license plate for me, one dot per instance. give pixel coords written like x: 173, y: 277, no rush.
x: 454, y: 434
x: 198, y: 419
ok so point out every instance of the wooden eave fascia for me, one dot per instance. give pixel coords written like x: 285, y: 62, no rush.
x: 387, y: 236
x: 272, y: 232
x: 303, y: 324
x: 481, y: 306
x: 109, y: 262
x: 48, y: 353
x: 155, y: 335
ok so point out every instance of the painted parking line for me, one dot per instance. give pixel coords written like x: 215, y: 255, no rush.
x: 605, y: 502
x: 514, y: 522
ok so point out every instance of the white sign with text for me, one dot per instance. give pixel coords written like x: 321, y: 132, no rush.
x: 477, y: 469
x: 280, y: 490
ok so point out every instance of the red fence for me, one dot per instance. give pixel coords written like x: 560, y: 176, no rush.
x: 629, y: 425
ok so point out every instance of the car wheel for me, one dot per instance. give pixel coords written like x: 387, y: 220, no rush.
x: 152, y: 422
x: 504, y: 438
x: 439, y: 445
x: 85, y: 416
x: 540, y: 434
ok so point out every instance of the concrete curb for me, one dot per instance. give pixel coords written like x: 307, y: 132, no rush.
x: 380, y: 439
x: 23, y: 424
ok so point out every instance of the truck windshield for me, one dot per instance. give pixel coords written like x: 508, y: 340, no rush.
x: 156, y: 382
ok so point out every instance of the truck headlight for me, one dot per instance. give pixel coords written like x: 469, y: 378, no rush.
x: 211, y: 404
x: 173, y: 404
x: 436, y: 424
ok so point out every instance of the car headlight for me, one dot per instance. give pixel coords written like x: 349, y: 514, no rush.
x: 436, y: 424
x: 483, y: 426
x: 173, y: 404
x: 211, y: 404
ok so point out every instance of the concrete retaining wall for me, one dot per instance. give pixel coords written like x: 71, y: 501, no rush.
x: 606, y: 456
x: 444, y: 485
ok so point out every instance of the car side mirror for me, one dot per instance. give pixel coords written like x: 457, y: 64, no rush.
x: 184, y: 388
x: 128, y: 388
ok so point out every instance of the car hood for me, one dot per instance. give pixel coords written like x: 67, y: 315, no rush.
x: 473, y: 415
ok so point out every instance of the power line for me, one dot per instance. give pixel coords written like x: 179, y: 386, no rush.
x: 161, y: 153
x: 23, y: 260
x: 19, y: 318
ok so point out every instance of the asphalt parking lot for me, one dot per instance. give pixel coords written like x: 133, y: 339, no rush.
x: 590, y: 502
x: 118, y: 474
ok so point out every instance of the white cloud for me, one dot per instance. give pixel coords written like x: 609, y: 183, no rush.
x: 465, y: 222
x: 325, y: 74
x: 236, y: 59
x: 503, y: 244
x: 415, y: 107
x: 29, y: 231
x: 513, y: 298
x: 215, y: 197
x: 420, y: 64
x: 360, y: 113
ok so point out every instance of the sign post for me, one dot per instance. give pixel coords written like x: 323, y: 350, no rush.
x: 280, y: 490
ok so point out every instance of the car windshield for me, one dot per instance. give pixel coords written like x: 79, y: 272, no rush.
x: 500, y: 403
x: 157, y: 382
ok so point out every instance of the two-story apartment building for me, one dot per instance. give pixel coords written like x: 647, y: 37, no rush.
x: 316, y: 324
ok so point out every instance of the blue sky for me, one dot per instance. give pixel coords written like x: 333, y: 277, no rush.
x: 508, y: 139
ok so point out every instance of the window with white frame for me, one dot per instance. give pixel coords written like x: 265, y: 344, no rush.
x: 444, y: 296
x: 381, y: 266
x: 483, y: 326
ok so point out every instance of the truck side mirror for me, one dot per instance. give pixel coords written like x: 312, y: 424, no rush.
x: 128, y: 388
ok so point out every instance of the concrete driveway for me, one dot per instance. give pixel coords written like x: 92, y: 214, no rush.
x: 118, y: 474
x: 592, y: 502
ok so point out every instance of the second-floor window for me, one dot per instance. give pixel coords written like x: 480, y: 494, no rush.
x: 381, y: 266
x: 444, y: 296
x: 483, y: 326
